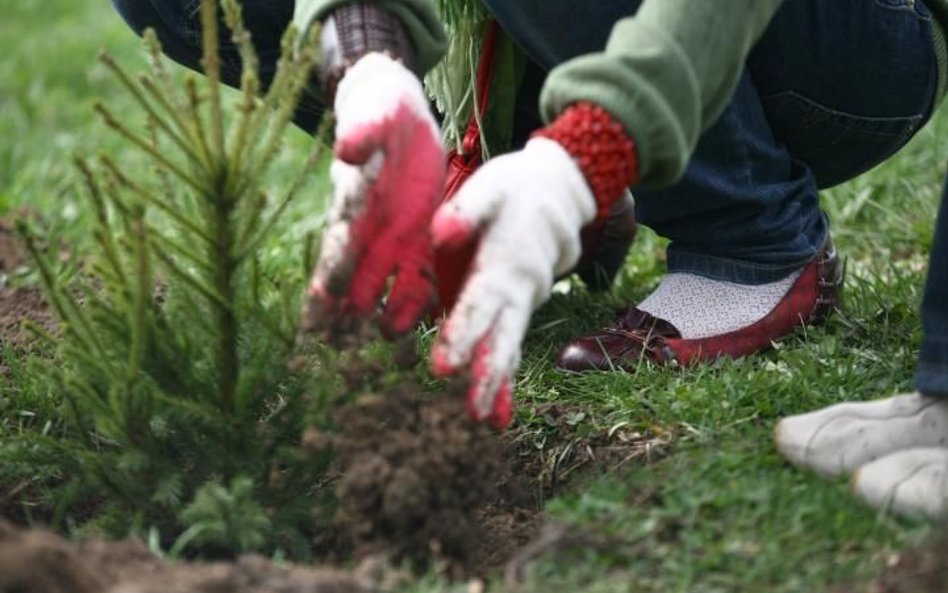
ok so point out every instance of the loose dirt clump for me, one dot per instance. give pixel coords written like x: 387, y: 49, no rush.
x: 421, y: 481
x: 418, y: 480
x: 36, y: 561
x: 40, y: 562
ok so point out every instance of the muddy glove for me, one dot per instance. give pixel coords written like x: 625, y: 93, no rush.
x: 525, y: 211
x: 387, y: 177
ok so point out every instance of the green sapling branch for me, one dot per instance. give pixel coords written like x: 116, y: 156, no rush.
x: 145, y: 104
x: 111, y: 121
x: 211, y: 62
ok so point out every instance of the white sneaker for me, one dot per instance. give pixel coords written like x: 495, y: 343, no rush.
x: 840, y: 438
x: 910, y: 482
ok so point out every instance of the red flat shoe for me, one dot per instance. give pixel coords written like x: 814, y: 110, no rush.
x: 637, y: 335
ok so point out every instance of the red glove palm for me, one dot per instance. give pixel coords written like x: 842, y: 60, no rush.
x: 388, y: 177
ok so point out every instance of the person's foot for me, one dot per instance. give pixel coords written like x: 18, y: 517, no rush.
x: 843, y: 437
x: 691, y: 319
x: 908, y: 482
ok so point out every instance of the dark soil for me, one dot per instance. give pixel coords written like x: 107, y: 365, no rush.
x: 18, y: 304
x: 35, y: 561
x: 11, y: 255
x: 424, y: 483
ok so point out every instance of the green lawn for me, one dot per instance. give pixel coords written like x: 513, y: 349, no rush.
x: 722, y: 512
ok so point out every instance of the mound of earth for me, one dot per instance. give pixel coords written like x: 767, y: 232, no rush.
x: 35, y: 561
x: 421, y: 481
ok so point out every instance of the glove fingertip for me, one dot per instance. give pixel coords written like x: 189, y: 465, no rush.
x: 502, y: 413
x: 401, y: 315
x: 449, y: 230
x: 441, y: 365
x: 358, y: 146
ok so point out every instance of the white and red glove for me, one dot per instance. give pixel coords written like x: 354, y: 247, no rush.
x: 522, y: 213
x: 388, y: 176
x: 526, y: 210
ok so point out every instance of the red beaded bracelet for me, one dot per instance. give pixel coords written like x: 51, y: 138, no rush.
x: 600, y: 146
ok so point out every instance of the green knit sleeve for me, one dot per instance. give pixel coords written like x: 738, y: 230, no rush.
x: 666, y: 73
x: 419, y: 17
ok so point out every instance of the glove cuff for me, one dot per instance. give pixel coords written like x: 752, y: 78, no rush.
x: 599, y: 145
x: 356, y: 29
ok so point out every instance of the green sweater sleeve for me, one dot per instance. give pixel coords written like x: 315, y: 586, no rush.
x: 666, y: 73
x: 419, y: 17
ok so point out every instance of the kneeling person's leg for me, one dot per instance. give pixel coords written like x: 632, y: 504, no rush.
x: 177, y: 24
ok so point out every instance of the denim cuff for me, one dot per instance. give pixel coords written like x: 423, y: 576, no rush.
x: 931, y: 374
x: 743, y: 271
x: 729, y: 269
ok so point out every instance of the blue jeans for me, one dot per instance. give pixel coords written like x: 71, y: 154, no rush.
x: 178, y: 27
x: 833, y: 88
x: 931, y: 372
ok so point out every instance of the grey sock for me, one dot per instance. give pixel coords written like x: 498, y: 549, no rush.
x: 700, y: 307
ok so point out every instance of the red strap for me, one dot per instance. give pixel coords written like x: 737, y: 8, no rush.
x: 452, y: 265
x: 485, y: 76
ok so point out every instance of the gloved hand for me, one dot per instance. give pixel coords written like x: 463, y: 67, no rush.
x: 525, y: 211
x: 388, y: 176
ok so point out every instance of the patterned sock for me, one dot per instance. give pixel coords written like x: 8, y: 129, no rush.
x: 700, y: 307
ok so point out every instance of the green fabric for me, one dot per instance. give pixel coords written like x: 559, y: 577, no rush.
x: 666, y: 74
x: 418, y: 16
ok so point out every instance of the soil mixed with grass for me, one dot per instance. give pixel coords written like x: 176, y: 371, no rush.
x: 417, y: 482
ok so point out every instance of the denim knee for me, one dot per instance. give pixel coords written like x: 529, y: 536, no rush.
x: 176, y: 24
x: 142, y: 14
x: 138, y: 15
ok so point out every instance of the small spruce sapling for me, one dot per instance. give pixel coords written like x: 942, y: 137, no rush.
x: 171, y: 358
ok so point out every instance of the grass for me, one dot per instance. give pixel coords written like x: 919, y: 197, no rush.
x: 723, y: 512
